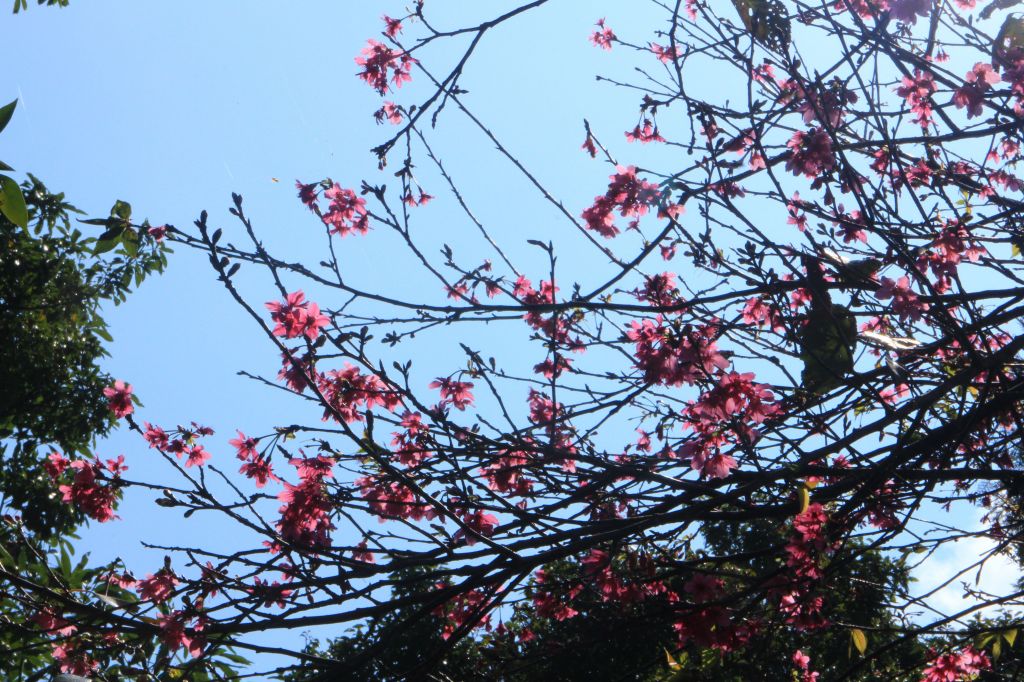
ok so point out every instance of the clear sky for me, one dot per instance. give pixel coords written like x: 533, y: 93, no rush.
x: 174, y: 105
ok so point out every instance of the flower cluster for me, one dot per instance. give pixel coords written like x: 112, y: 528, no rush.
x: 306, y: 512
x: 628, y: 194
x: 119, y: 399
x: 86, y: 491
x: 955, y: 666
x: 184, y: 442
x: 393, y: 500
x: 673, y: 356
x: 348, y: 392
x: 811, y: 153
x: 917, y: 90
x: 905, y: 302
x: 295, y: 317
x: 603, y: 36
x: 972, y: 93
x: 256, y: 466
x: 377, y: 60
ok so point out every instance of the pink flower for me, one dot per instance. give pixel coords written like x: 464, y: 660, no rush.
x: 157, y: 588
x: 306, y: 513
x: 346, y: 213
x: 392, y: 27
x: 666, y: 55
x: 758, y: 312
x: 55, y: 465
x: 377, y: 60
x: 156, y: 437
x: 197, y: 456
x: 389, y: 112
x: 260, y: 470
x: 158, y: 232
x: 245, y: 446
x: 479, y: 521
x: 972, y: 93
x: 347, y: 391
x: 917, y: 91
x: 908, y: 11
x: 455, y: 393
x: 627, y: 193
x: 53, y: 624
x: 904, y: 301
x: 361, y: 553
x: 955, y: 666
x: 602, y: 37
x: 307, y: 193
x: 172, y: 632
x: 85, y: 492
x: 296, y: 318
x: 119, y: 399
x: 644, y: 132
x: 703, y: 587
x: 811, y: 153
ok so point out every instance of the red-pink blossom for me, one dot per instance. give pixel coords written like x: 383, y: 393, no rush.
x: 811, y: 153
x: 956, y: 666
x: 87, y: 494
x: 119, y: 399
x: 158, y: 587
x: 905, y: 302
x: 296, y: 317
x: 976, y: 83
x: 377, y: 60
x: 628, y: 194
x: 603, y: 36
x: 346, y: 214
x: 388, y: 112
x: 454, y: 393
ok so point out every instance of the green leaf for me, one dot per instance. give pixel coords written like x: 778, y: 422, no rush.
x: 1009, y: 38
x: 12, y: 202
x: 5, y: 167
x: 827, y: 344
x: 115, y: 602
x: 1010, y: 636
x: 122, y: 210
x: 6, y: 112
x: 104, y: 245
x: 767, y: 22
x: 130, y: 241
x: 860, y: 640
x: 803, y: 495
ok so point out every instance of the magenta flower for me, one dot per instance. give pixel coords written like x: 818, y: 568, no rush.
x: 119, y: 399
x: 295, y: 317
x: 603, y: 36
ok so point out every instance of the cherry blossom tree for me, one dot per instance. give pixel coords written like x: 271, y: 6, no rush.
x: 716, y: 390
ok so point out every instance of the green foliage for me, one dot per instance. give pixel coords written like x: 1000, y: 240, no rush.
x: 766, y: 21
x: 52, y: 334
x: 827, y: 344
x: 53, y: 284
x: 23, y: 4
x: 637, y: 641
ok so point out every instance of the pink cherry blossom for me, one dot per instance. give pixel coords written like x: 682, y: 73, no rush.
x: 119, y: 399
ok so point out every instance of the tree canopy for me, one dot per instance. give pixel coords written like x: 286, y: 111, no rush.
x: 706, y: 425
